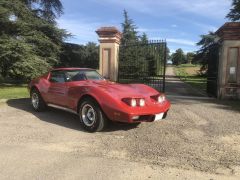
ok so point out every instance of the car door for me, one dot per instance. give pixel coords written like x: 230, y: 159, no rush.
x: 57, y: 91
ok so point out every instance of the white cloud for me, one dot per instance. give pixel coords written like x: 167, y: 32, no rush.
x: 210, y: 8
x: 149, y: 30
x: 216, y: 9
x: 178, y: 41
x: 181, y: 41
x: 185, y: 49
x: 205, y: 27
x: 82, y: 31
x: 172, y: 11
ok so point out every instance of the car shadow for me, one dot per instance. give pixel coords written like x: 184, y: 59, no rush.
x: 62, y: 118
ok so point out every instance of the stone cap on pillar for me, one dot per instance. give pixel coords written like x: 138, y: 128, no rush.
x: 109, y: 35
x: 229, y: 31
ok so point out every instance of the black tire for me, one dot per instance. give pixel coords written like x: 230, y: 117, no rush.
x: 91, y: 116
x: 37, y: 101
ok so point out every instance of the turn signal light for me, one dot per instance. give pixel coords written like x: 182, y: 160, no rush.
x: 159, y: 98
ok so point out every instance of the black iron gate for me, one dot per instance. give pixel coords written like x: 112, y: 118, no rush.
x: 212, y: 74
x: 143, y: 63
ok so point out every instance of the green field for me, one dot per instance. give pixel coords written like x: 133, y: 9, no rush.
x: 190, y: 74
x: 10, y: 91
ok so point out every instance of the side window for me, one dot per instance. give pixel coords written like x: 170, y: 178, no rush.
x: 75, y: 76
x: 79, y: 77
x: 57, y: 77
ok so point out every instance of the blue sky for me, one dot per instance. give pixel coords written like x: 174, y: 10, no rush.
x: 180, y: 22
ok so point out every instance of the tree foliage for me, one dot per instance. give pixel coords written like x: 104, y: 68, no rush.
x: 29, y: 44
x: 168, y: 53
x: 74, y: 55
x: 206, y: 44
x: 234, y: 14
x: 128, y: 53
x: 178, y: 57
x: 46, y: 9
x: 129, y: 30
x: 189, y: 57
x: 138, y: 57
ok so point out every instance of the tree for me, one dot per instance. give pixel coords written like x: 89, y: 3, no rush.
x: 138, y: 58
x: 74, y: 55
x: 234, y: 14
x: 128, y: 55
x: 190, y: 57
x: 178, y: 57
x: 144, y: 38
x: 46, y: 9
x: 206, y: 43
x: 91, y: 55
x: 168, y: 56
x: 129, y: 32
x: 29, y: 45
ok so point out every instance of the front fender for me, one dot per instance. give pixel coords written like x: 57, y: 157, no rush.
x: 107, y: 102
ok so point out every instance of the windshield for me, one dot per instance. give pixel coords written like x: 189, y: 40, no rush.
x: 81, y: 75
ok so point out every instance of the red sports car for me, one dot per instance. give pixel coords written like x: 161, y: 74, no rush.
x: 96, y: 100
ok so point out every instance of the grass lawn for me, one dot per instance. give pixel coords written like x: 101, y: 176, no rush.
x: 189, y: 74
x: 10, y: 91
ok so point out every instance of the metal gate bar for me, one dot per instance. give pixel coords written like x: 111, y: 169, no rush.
x: 143, y: 63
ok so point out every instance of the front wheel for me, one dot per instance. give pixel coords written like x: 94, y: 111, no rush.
x: 37, y: 101
x: 91, y: 116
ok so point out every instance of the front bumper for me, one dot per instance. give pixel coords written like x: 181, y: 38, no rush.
x: 147, y: 114
x: 147, y: 118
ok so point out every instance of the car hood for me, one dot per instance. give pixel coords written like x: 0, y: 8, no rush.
x: 124, y: 90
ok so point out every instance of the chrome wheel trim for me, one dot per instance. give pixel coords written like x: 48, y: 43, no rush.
x: 35, y: 100
x: 88, y: 115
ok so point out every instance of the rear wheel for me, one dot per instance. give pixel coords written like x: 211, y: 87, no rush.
x: 37, y: 101
x: 91, y: 116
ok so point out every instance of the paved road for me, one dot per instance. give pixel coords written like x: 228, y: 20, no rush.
x: 199, y: 140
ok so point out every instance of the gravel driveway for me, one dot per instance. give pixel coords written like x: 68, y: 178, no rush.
x: 200, y: 139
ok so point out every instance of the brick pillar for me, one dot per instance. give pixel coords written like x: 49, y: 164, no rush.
x: 109, y: 38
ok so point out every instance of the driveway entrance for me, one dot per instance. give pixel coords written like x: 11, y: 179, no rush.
x: 177, y: 88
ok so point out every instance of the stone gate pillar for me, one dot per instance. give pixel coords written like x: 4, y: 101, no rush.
x: 109, y: 38
x: 229, y: 61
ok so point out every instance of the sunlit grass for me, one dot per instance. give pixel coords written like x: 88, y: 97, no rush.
x: 9, y: 91
x: 194, y: 79
x: 189, y: 65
